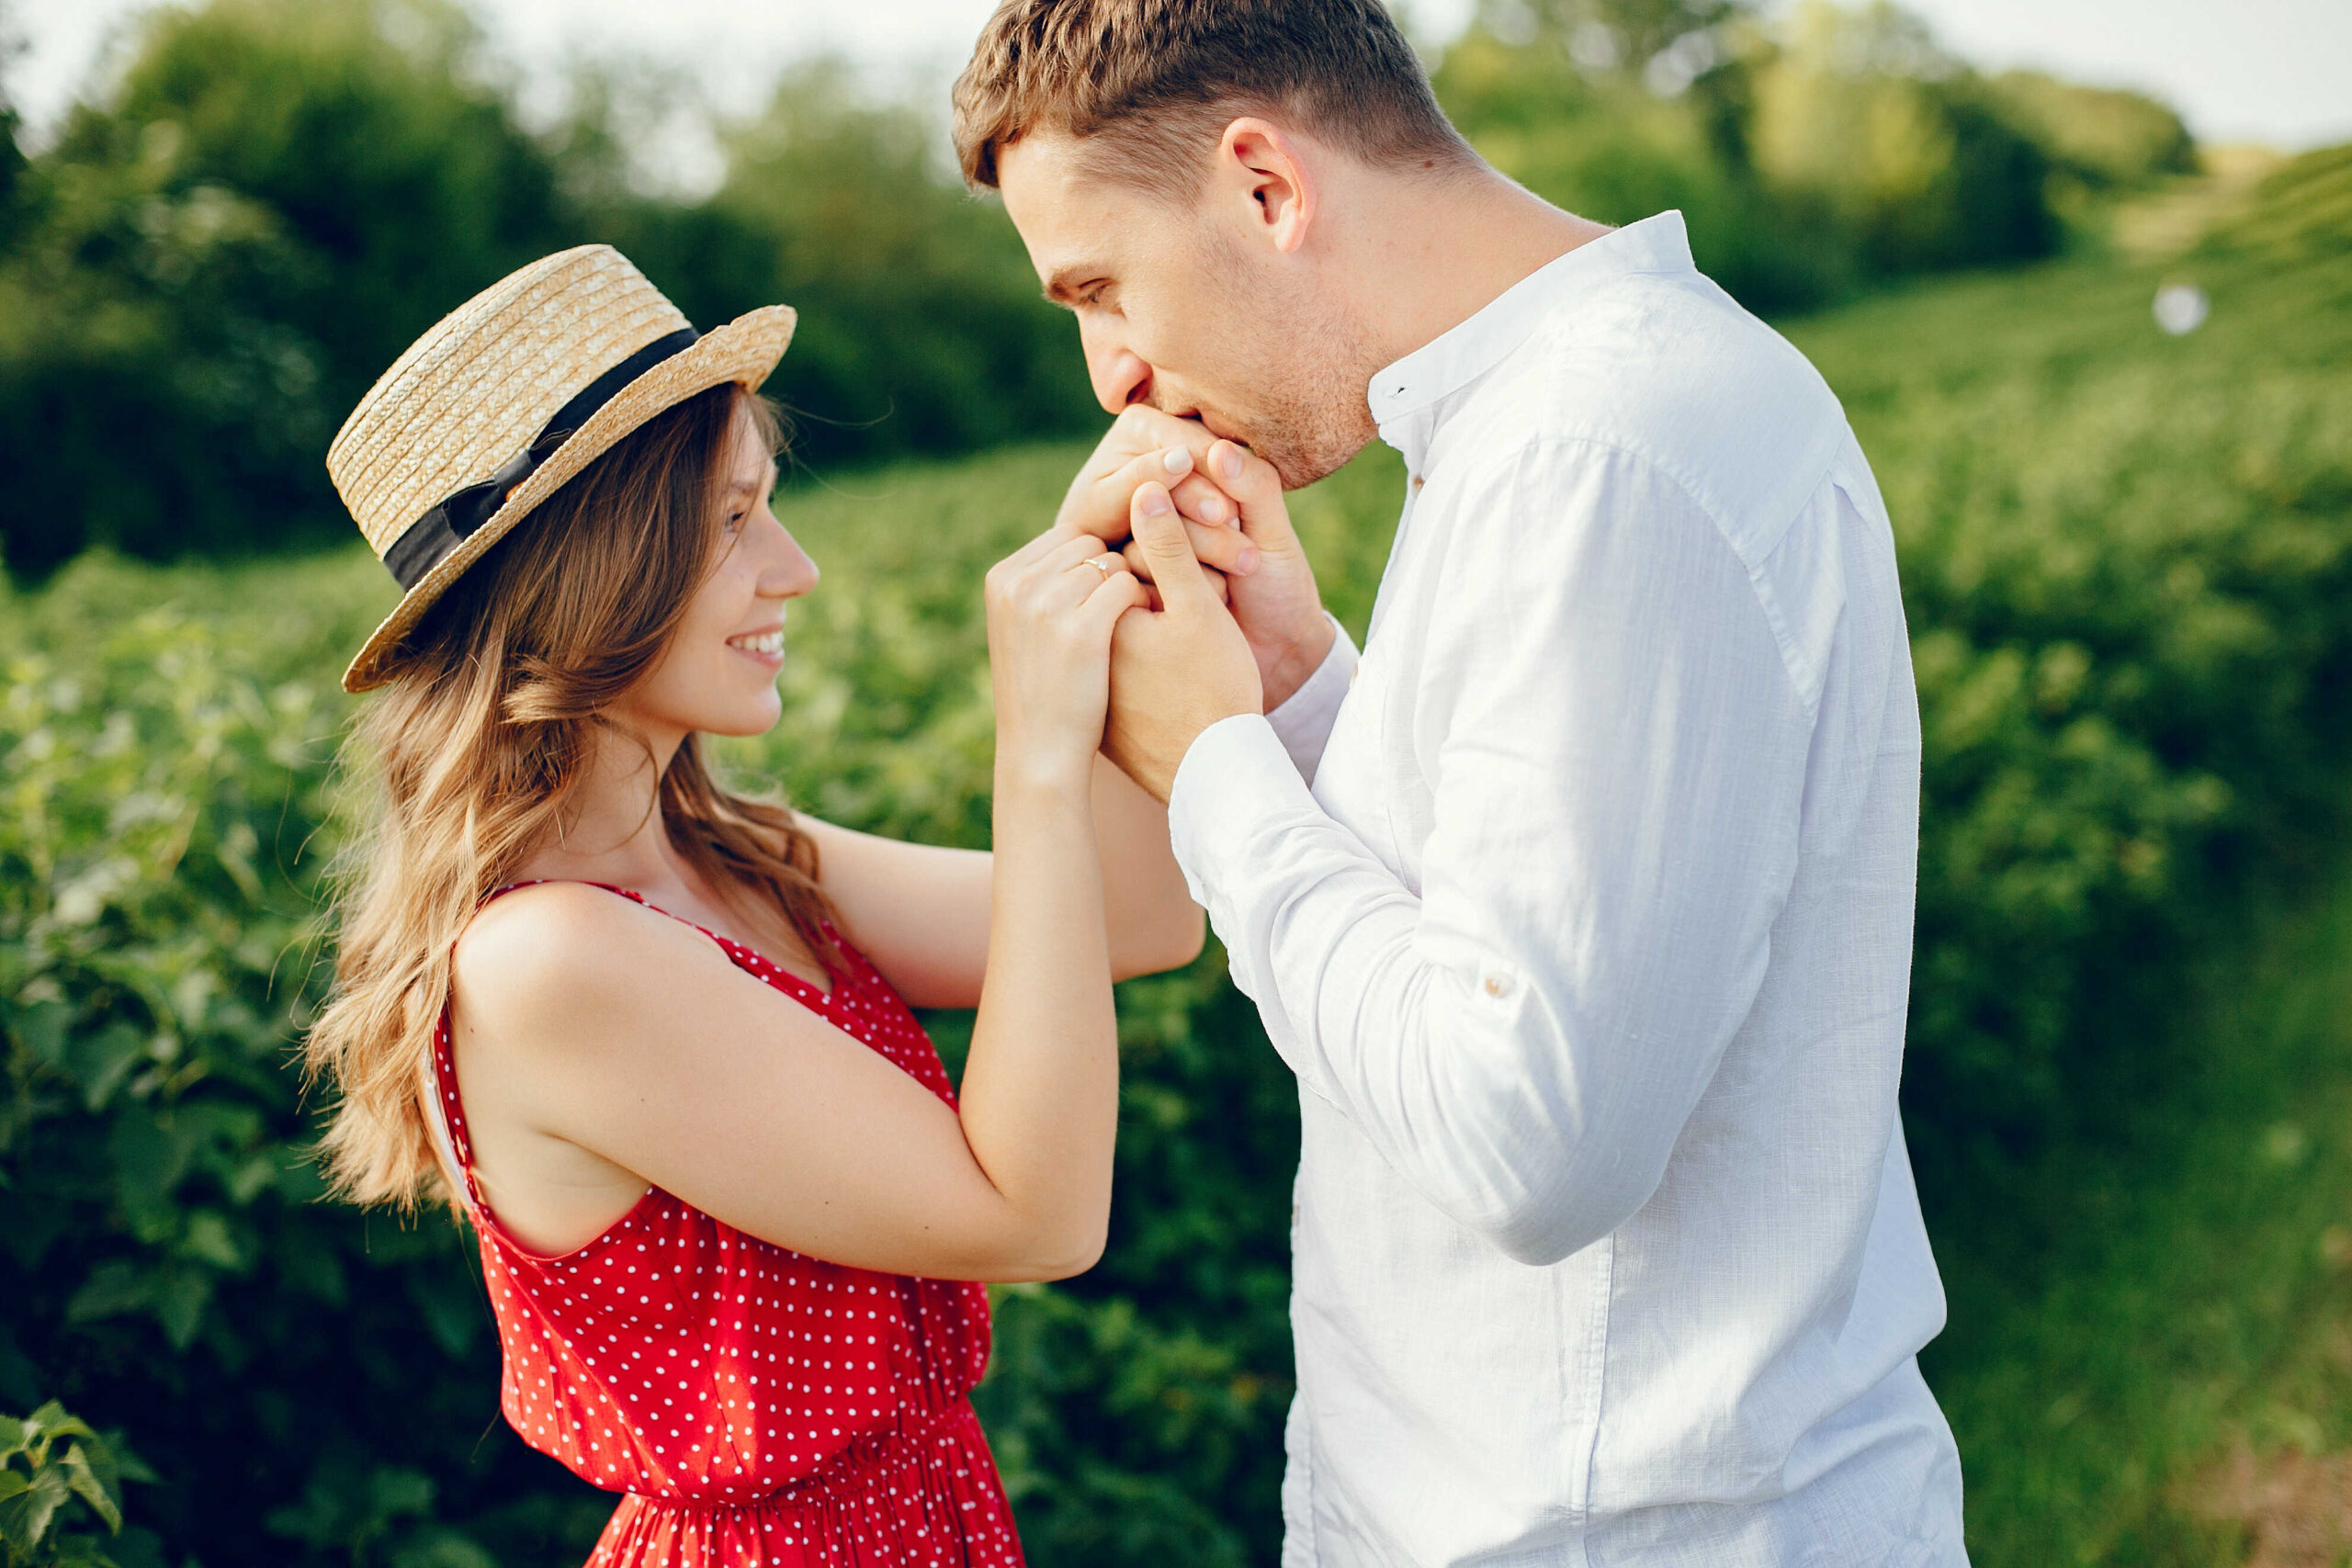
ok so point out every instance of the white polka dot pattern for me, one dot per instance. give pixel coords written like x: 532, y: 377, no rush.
x: 756, y: 1405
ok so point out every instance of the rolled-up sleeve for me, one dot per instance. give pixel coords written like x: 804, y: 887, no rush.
x: 1615, y: 756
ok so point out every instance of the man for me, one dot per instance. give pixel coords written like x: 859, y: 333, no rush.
x: 1580, y: 904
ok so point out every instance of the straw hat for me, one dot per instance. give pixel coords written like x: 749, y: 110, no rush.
x: 510, y: 395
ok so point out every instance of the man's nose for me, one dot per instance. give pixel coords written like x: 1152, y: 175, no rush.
x: 1119, y: 375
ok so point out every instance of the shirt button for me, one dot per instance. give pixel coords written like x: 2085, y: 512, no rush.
x: 1417, y: 481
x: 1498, y: 984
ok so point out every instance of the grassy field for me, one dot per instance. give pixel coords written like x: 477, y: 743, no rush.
x: 2158, y: 1370
x: 2128, y: 566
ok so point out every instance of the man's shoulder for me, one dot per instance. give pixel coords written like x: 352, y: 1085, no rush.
x: 1669, y: 371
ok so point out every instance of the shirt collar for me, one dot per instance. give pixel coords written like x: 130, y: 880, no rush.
x: 1405, y: 396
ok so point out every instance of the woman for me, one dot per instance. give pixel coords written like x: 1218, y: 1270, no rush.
x: 651, y: 1037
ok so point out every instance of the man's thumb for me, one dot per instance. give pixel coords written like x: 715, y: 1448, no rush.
x: 1175, y: 570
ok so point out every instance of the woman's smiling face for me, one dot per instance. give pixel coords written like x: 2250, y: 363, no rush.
x: 718, y: 672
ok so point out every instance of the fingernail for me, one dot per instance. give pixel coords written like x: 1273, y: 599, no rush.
x: 1228, y: 464
x: 1155, y: 502
x: 1247, y: 561
x: 1179, y: 460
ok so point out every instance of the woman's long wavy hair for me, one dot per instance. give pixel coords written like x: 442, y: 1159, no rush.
x: 474, y: 747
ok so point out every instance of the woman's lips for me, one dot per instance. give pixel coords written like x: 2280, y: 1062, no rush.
x: 766, y: 647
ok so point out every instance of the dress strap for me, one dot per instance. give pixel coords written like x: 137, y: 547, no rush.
x: 746, y: 958
x: 445, y: 1115
x: 445, y: 1112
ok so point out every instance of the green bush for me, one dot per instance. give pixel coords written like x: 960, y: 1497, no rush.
x: 2103, y: 138
x: 308, y: 1379
x: 67, y: 1471
x: 246, y: 223
x: 1600, y: 143
x: 1810, y: 154
x: 1908, y: 151
x: 2127, y: 562
x: 274, y: 197
x: 2131, y: 594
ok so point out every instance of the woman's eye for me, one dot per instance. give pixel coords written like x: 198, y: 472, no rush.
x: 735, y: 521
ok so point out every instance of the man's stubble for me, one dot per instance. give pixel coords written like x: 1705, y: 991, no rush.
x: 1299, y: 369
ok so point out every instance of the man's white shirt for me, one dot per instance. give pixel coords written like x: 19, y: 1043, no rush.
x: 1581, y: 908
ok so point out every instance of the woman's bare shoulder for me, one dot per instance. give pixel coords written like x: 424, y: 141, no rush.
x: 549, y: 954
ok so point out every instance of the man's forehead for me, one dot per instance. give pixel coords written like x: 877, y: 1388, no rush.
x: 1057, y: 203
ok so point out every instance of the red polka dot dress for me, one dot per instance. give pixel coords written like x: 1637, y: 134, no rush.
x: 752, y: 1405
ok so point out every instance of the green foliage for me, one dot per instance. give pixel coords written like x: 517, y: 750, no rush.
x: 1908, y: 151
x: 2105, y: 138
x: 163, y: 811
x: 1808, y: 156
x: 2130, y: 587
x: 1600, y: 143
x: 229, y: 243
x: 2301, y: 215
x: 2128, y: 570
x: 273, y: 201
x: 2146, y: 1346
x: 921, y: 326
x: 53, y: 1470
x: 12, y: 156
x: 243, y: 227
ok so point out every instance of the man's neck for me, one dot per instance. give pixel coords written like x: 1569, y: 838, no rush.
x: 1431, y: 252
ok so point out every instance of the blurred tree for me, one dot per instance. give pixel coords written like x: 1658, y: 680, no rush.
x: 12, y: 157
x: 2100, y: 141
x: 1619, y: 110
x: 1861, y: 112
x: 1804, y: 156
x: 2106, y: 137
x: 246, y: 223
x: 273, y: 199
x: 920, y: 324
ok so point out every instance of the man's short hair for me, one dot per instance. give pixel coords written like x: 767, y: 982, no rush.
x: 1151, y: 85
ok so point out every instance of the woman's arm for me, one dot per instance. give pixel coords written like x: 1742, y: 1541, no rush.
x: 920, y: 912
x: 1154, y: 923
x: 587, y: 1020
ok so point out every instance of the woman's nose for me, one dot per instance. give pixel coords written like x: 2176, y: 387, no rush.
x: 791, y: 572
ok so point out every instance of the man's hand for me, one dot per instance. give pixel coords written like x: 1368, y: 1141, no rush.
x: 1141, y: 446
x: 1237, y: 521
x: 1174, y: 672
x: 1275, y: 603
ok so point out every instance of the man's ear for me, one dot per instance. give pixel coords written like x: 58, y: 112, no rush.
x: 1269, y: 168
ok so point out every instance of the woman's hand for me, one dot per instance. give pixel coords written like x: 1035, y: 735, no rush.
x: 1051, y: 607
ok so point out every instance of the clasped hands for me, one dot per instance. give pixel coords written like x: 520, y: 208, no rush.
x: 1235, y: 625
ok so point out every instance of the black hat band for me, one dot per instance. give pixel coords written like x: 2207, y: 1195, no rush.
x: 428, y: 541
